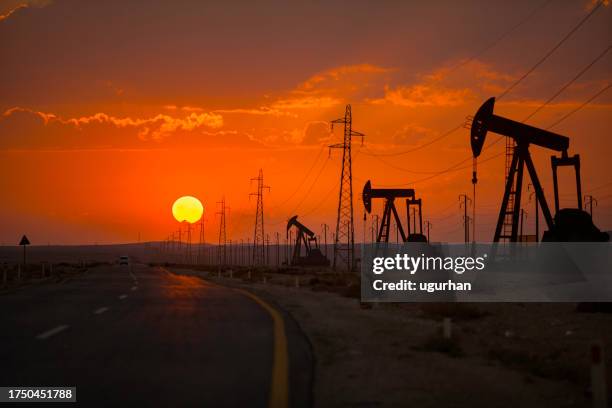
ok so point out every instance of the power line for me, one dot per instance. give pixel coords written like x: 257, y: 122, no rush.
x: 424, y: 145
x: 464, y: 62
x: 550, y: 52
x: 326, y: 198
x: 314, y: 182
x: 513, y: 85
x: 299, y: 185
x: 570, y: 113
x: 599, y: 187
x: 501, y: 37
x: 574, y: 79
x: 557, y: 93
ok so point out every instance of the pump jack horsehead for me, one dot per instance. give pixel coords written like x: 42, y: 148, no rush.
x: 568, y: 224
x: 389, y: 210
x: 307, y: 238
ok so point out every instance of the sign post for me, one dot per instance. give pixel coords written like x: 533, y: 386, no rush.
x: 24, y: 242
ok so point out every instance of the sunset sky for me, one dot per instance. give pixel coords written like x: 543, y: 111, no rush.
x: 111, y: 110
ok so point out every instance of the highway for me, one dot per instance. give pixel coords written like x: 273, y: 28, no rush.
x: 145, y: 336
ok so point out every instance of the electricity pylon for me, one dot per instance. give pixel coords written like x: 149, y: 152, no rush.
x: 344, y: 242
x: 259, y: 246
x: 222, y: 252
x: 202, y: 242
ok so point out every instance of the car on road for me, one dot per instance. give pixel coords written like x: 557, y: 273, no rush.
x: 124, y: 260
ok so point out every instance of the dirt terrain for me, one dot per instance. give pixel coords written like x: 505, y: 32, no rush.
x: 528, y: 355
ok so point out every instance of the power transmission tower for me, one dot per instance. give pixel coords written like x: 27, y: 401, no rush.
x: 344, y: 241
x: 259, y: 245
x: 222, y: 249
x: 202, y: 242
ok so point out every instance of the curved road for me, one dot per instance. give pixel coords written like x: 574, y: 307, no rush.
x: 148, y: 337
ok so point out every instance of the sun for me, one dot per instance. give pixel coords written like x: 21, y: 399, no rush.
x: 187, y: 208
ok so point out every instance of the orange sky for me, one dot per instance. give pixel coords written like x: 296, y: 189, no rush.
x: 109, y: 112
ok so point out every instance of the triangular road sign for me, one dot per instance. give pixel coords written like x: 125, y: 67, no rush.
x: 24, y: 241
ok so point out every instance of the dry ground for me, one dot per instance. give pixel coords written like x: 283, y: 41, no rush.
x: 502, y: 355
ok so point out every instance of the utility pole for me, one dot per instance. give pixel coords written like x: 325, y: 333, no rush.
x: 588, y: 201
x: 180, y: 240
x: 188, y: 246
x: 428, y: 225
x: 267, y: 260
x: 285, y: 250
x: 344, y: 243
x: 325, y: 227
x: 464, y: 201
x: 523, y: 216
x: 259, y: 250
x: 277, y: 249
x: 537, y: 211
x: 222, y: 253
x: 288, y: 251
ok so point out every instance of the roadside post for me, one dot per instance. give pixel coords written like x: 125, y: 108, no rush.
x: 598, y: 376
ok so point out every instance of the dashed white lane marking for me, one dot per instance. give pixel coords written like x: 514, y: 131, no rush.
x: 122, y: 297
x: 101, y: 310
x: 134, y: 287
x: 52, y: 332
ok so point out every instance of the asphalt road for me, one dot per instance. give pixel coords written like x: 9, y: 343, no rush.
x: 147, y: 337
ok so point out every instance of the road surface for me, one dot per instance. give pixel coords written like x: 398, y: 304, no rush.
x: 143, y: 335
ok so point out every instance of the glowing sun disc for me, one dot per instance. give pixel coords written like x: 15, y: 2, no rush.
x: 187, y: 208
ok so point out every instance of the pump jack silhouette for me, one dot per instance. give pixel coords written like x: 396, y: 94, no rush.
x: 568, y: 224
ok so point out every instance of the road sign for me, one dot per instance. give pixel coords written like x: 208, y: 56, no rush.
x: 24, y: 242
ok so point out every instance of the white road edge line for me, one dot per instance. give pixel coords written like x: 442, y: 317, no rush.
x: 122, y: 297
x: 101, y: 310
x: 52, y: 332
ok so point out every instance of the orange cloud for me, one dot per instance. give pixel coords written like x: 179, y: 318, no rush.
x: 424, y: 95
x: 332, y: 87
x: 306, y: 102
x: 447, y: 86
x: 338, y: 73
x: 10, y: 11
x: 156, y: 127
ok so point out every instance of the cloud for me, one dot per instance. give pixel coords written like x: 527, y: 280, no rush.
x: 590, y: 4
x: 12, y: 11
x: 424, y: 95
x: 412, y: 134
x: 447, y: 86
x: 331, y: 87
x: 316, y: 132
x: 22, y: 128
x: 339, y: 73
x: 261, y: 111
x: 306, y: 102
x: 156, y: 127
x: 24, y: 5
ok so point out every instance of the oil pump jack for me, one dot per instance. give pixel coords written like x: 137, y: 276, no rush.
x: 308, y: 239
x: 569, y: 224
x: 389, y: 195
